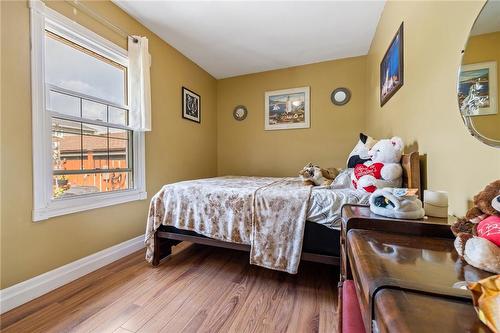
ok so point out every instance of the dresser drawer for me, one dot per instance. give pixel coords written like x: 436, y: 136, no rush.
x: 384, y: 264
x: 403, y: 311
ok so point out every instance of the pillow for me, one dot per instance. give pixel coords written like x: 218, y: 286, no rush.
x: 359, y: 154
x: 343, y: 179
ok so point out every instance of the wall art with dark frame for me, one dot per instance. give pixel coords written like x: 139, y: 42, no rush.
x: 191, y: 105
x: 392, y: 68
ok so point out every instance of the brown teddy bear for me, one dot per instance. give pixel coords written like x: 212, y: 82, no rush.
x: 484, y: 203
x: 316, y: 176
x: 478, y: 233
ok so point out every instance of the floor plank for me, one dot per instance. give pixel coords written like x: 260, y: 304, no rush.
x: 197, y: 289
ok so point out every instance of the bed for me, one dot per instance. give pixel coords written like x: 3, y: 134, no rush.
x: 321, y: 233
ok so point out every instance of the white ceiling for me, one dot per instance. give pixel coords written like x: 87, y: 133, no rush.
x: 488, y: 20
x: 229, y: 38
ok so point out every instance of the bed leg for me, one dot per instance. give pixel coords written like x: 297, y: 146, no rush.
x: 156, y: 254
x: 163, y: 248
x: 339, y: 307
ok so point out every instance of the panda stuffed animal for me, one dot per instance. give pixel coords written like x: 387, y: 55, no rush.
x: 359, y: 154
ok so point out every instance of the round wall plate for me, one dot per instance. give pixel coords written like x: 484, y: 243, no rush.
x: 240, y: 112
x: 340, y: 96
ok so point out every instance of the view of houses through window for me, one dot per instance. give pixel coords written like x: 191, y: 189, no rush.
x: 91, y: 140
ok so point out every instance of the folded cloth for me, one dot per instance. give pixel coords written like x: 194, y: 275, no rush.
x: 396, y: 202
x: 486, y: 298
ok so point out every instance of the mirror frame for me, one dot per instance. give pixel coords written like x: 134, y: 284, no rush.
x: 347, y: 98
x: 469, y: 124
x: 235, y: 114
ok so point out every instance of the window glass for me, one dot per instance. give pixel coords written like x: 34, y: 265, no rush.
x: 66, y: 145
x: 105, y: 149
x: 89, y: 153
x: 118, y: 116
x: 64, y: 104
x: 94, y: 111
x: 95, y: 152
x: 118, y: 133
x: 90, y: 129
x: 72, y: 67
x: 119, y: 151
x: 89, y: 183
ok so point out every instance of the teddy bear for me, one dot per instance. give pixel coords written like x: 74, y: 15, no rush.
x: 383, y: 169
x: 316, y: 176
x: 478, y: 233
x: 359, y: 154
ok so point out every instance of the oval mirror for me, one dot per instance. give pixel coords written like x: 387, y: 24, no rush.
x: 478, y: 87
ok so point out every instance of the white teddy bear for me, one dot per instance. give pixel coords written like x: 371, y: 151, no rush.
x: 384, y: 169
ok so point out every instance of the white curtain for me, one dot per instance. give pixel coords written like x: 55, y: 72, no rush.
x: 139, y: 83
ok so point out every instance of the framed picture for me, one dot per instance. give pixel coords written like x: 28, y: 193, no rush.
x: 287, y: 109
x: 477, y: 89
x: 191, y: 105
x: 392, y: 68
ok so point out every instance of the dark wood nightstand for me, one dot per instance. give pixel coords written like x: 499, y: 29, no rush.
x: 403, y: 276
x: 360, y: 217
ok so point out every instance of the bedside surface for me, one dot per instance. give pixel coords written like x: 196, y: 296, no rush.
x: 358, y: 211
x: 415, y: 270
x: 412, y: 262
x: 360, y: 217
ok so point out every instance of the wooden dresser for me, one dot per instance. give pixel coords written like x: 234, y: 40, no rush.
x: 406, y: 275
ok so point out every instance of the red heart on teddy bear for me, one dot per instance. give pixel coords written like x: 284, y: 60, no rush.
x: 489, y: 228
x: 374, y: 169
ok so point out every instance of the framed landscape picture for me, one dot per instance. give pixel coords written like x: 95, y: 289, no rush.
x: 191, y: 105
x: 392, y: 68
x: 287, y: 109
x: 477, y: 89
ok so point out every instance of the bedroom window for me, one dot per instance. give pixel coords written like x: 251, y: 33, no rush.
x: 86, y: 99
x: 86, y: 154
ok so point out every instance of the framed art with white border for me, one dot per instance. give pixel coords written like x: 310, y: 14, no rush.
x: 287, y: 109
x: 191, y: 105
x: 477, y: 89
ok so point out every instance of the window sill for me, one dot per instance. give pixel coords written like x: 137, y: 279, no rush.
x: 84, y: 203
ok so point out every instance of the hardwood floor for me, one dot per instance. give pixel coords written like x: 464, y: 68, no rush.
x: 197, y: 289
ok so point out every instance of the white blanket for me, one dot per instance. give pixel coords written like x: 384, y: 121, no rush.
x: 326, y: 203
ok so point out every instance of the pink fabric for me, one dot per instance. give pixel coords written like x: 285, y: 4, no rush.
x: 489, y: 228
x: 352, y: 322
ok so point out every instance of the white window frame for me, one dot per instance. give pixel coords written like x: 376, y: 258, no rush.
x: 44, y: 206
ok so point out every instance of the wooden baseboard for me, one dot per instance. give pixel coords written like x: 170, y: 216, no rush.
x: 28, y: 290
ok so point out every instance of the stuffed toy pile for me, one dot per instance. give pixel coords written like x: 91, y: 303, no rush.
x: 478, y: 233
x: 383, y: 169
x: 402, y: 203
x: 314, y: 175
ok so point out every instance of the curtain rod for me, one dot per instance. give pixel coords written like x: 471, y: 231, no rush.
x: 80, y: 6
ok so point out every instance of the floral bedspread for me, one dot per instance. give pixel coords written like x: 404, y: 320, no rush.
x: 267, y: 213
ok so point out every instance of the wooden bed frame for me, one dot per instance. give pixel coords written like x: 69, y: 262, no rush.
x: 165, y: 240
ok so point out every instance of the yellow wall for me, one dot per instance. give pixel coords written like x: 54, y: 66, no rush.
x: 176, y: 149
x: 425, y: 109
x: 484, y: 48
x: 244, y: 148
x: 424, y: 112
